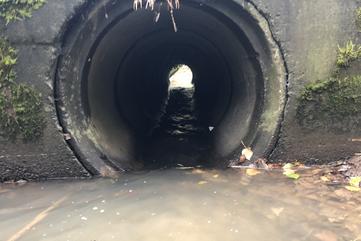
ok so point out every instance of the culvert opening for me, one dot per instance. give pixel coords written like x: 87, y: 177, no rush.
x: 119, y: 103
x: 179, y: 138
x: 180, y: 76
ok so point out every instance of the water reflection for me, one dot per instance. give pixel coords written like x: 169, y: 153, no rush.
x: 179, y: 138
x: 190, y: 205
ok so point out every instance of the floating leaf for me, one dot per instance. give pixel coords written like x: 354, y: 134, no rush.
x: 202, y: 182
x: 325, y: 179
x: 353, y: 189
x: 287, y: 166
x: 355, y: 181
x: 288, y: 172
x: 277, y: 211
x: 252, y: 172
x: 326, y: 236
x: 248, y: 153
x: 291, y: 174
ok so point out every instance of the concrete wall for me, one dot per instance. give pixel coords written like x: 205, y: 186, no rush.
x: 308, y: 33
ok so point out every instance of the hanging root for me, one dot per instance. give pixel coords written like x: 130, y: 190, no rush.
x: 137, y: 4
x: 173, y: 21
x: 150, y: 4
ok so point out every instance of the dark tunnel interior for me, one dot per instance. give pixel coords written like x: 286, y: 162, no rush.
x: 124, y: 107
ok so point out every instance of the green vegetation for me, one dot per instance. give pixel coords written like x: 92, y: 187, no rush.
x: 333, y: 103
x: 12, y: 10
x: 335, y: 95
x: 348, y: 54
x: 7, y: 61
x: 20, y: 105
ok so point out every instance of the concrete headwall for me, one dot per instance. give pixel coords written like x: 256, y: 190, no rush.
x: 307, y: 33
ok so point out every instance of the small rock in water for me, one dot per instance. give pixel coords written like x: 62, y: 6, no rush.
x: 21, y: 181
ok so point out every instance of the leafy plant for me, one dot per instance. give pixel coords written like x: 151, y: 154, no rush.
x: 20, y: 105
x: 12, y: 10
x: 7, y: 61
x: 348, y: 54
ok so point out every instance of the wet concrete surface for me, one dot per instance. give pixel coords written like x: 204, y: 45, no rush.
x: 188, y: 204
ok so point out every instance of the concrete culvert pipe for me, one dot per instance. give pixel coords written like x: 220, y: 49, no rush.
x: 113, y: 83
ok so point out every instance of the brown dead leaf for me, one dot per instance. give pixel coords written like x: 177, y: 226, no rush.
x: 326, y: 236
x: 252, y: 172
x: 325, y: 179
x: 248, y: 153
x: 262, y: 163
x: 242, y: 158
x: 353, y: 189
x: 277, y: 211
x: 274, y: 165
x: 343, y: 193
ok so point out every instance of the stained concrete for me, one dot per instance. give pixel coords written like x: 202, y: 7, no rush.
x: 307, y: 33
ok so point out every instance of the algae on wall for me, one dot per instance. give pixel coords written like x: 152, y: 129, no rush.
x: 335, y: 103
x: 21, y: 108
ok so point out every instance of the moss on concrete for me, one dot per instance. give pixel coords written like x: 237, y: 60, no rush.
x: 12, y: 10
x: 358, y: 19
x: 20, y: 105
x: 335, y: 103
x: 331, y: 104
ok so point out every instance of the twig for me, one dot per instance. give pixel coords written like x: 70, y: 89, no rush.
x: 36, y: 220
x: 243, y: 144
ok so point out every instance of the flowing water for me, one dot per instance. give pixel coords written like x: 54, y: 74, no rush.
x: 187, y: 205
x: 180, y: 138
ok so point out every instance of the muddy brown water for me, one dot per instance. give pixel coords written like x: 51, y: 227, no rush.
x: 182, y: 205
